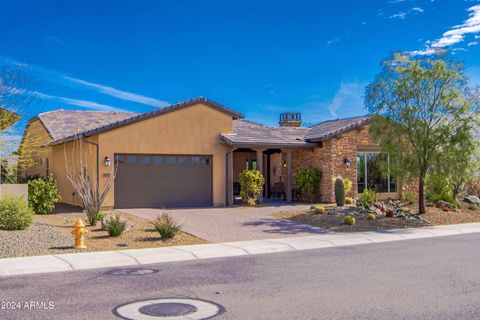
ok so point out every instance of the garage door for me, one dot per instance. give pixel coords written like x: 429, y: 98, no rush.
x: 157, y: 181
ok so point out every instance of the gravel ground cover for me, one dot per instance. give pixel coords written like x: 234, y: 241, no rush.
x: 50, y: 234
x: 433, y: 216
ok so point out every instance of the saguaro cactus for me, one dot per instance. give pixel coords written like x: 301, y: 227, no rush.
x: 339, y: 192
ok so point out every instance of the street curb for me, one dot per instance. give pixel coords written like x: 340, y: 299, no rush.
x: 133, y: 257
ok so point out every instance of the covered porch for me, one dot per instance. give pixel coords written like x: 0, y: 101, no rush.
x: 275, y: 164
x: 267, y: 149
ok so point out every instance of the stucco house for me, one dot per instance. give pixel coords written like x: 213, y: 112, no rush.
x: 191, y: 154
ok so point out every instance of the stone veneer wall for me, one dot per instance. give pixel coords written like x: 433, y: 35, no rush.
x: 329, y: 159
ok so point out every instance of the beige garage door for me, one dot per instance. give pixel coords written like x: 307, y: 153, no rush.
x: 157, y: 181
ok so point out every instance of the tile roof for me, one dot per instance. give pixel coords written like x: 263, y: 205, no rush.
x: 61, y: 124
x: 328, y: 129
x: 65, y: 125
x: 250, y: 133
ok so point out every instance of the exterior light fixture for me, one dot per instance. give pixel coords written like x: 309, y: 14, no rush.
x: 284, y: 164
x: 107, y: 162
x: 346, y: 162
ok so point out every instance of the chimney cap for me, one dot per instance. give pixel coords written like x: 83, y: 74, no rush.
x: 291, y: 119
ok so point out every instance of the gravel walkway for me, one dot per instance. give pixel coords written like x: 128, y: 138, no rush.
x: 39, y: 238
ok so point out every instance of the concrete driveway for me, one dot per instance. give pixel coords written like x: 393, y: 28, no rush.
x: 235, y: 223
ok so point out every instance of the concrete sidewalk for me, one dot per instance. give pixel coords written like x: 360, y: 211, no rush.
x: 109, y: 259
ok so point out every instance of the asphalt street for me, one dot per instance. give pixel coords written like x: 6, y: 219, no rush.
x: 435, y: 278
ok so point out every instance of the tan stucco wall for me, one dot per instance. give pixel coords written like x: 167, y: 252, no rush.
x: 15, y: 190
x: 194, y: 130
x: 67, y: 157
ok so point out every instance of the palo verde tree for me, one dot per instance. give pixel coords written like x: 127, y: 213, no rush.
x: 421, y: 108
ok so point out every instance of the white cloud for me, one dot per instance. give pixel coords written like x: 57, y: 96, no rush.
x: 473, y: 43
x: 120, y: 94
x: 398, y: 15
x: 349, y: 95
x: 404, y: 14
x: 79, y: 103
x: 456, y: 34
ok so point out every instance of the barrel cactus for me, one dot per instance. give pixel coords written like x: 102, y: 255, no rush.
x: 371, y: 216
x: 319, y: 209
x: 350, y: 220
x: 339, y: 192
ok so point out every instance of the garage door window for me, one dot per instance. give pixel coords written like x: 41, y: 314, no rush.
x: 145, y: 160
x: 120, y: 159
x: 182, y: 161
x: 205, y: 161
x: 131, y: 159
x: 157, y: 160
x: 195, y: 160
x: 171, y: 160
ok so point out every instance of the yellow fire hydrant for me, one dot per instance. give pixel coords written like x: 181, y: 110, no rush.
x: 79, y: 234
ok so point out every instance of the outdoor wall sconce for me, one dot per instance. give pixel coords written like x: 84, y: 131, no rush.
x: 346, y: 162
x: 284, y: 164
x: 107, y: 162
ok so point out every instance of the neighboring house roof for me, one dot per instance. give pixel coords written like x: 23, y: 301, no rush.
x: 253, y: 134
x: 88, y: 123
x: 328, y: 129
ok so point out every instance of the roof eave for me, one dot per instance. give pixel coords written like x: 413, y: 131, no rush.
x: 269, y: 144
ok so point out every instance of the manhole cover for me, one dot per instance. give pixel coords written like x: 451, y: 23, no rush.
x: 169, y: 308
x: 131, y: 272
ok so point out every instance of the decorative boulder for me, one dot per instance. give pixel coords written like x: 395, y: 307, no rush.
x: 442, y: 204
x: 472, y: 199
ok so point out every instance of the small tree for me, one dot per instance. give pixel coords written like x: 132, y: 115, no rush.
x: 84, y: 178
x: 421, y: 108
x: 308, y: 183
x: 16, y: 103
x: 251, y: 184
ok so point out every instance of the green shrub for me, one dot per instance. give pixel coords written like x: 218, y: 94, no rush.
x: 348, y: 200
x: 308, y: 183
x: 166, y: 226
x: 339, y: 192
x: 348, y: 185
x: 319, y: 209
x: 472, y: 206
x: 371, y: 217
x: 350, y: 220
x: 42, y: 195
x: 436, y: 186
x: 251, y: 184
x: 368, y: 197
x: 445, y: 197
x: 409, y: 197
x: 115, y: 227
x: 15, y: 214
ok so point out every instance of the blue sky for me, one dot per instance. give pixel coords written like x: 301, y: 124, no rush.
x: 258, y: 57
